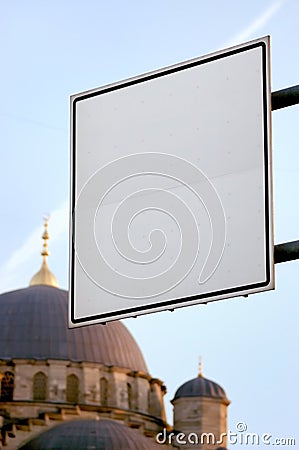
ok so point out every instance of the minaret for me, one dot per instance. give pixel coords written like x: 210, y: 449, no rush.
x: 44, y: 275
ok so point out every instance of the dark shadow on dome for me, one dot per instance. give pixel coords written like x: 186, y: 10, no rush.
x: 87, y: 434
x: 34, y: 325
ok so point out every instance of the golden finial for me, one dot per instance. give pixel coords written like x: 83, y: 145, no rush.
x: 200, y: 372
x: 44, y: 275
x: 45, y: 237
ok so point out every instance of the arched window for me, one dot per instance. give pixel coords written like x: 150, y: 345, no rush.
x: 72, y: 389
x: 7, y: 387
x: 104, y: 391
x: 40, y: 386
x: 129, y: 389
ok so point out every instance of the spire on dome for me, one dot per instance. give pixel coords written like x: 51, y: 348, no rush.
x: 200, y: 372
x: 44, y: 275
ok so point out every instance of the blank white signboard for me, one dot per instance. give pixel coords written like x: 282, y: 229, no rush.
x: 171, y: 201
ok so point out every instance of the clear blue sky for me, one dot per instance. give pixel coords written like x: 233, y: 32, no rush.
x: 50, y: 50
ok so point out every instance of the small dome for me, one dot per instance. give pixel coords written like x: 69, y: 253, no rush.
x: 90, y: 434
x: 34, y: 325
x: 200, y: 387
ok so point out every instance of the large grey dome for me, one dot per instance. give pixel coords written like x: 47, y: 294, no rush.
x: 34, y: 325
x: 90, y: 434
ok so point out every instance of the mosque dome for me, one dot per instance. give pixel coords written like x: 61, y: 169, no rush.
x: 90, y: 434
x: 200, y: 387
x: 34, y: 325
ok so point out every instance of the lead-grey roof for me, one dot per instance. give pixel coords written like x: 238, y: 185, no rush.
x: 200, y: 387
x: 81, y: 434
x: 33, y: 325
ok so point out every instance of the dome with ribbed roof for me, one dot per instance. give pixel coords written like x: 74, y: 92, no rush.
x: 90, y: 434
x: 200, y: 387
x: 34, y: 325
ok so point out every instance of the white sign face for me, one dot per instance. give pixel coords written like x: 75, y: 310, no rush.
x: 171, y: 187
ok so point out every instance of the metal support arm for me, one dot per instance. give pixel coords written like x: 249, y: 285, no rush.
x: 288, y: 251
x: 285, y: 97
